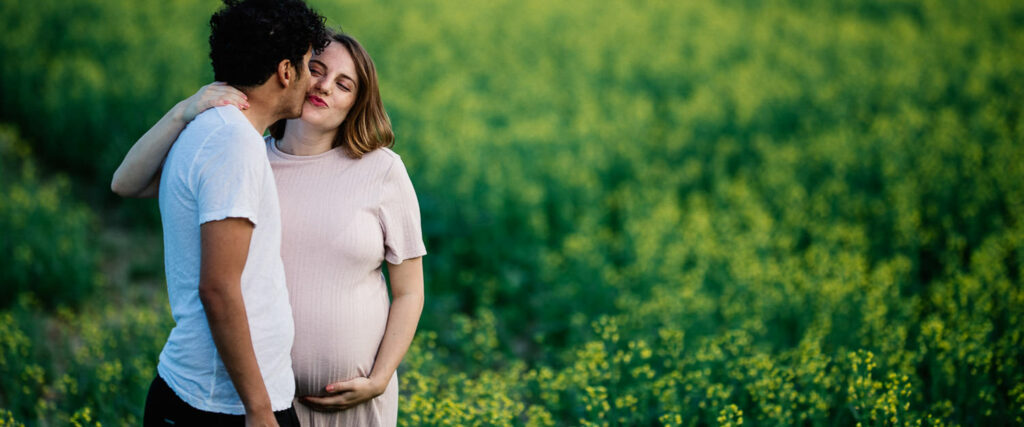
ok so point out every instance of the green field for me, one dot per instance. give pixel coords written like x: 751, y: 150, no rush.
x: 648, y: 212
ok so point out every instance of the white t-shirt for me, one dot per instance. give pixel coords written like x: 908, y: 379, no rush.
x: 217, y: 169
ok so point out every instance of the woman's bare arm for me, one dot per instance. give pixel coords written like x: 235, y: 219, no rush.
x: 139, y: 172
x: 403, y: 317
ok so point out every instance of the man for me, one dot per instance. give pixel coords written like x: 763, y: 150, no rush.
x: 227, y: 360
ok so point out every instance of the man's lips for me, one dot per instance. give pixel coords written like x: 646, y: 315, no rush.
x: 316, y: 101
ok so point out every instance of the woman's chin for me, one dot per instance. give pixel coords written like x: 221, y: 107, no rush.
x: 307, y: 108
x: 316, y: 119
x: 311, y: 114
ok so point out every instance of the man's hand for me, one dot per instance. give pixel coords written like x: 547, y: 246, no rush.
x: 260, y: 419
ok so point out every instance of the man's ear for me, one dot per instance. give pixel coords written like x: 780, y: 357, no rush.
x: 285, y: 73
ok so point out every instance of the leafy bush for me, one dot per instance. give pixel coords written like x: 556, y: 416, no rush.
x: 80, y: 365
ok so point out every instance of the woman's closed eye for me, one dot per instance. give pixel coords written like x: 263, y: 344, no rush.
x: 314, y: 70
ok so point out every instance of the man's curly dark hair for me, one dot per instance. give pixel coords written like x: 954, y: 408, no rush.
x: 248, y: 38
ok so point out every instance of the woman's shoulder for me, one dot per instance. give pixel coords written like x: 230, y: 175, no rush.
x: 387, y: 166
x: 383, y: 158
x: 384, y: 155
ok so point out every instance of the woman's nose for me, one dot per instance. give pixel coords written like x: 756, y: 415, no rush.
x: 323, y: 85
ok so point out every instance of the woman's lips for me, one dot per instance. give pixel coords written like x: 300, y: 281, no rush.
x: 316, y: 101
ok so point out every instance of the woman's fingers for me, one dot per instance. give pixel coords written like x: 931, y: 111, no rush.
x: 339, y: 386
x: 213, y: 95
x: 336, y: 402
x: 238, y: 101
x: 219, y: 99
x: 224, y: 88
x: 222, y: 94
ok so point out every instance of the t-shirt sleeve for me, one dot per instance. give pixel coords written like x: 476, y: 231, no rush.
x: 400, y: 216
x: 228, y: 178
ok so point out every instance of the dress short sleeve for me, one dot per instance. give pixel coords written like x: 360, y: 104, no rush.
x: 400, y: 216
x: 228, y: 177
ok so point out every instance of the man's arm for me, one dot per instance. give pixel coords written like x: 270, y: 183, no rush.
x: 225, y: 247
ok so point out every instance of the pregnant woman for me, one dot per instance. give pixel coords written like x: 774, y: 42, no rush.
x: 347, y: 207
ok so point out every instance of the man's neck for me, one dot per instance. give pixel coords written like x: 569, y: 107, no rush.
x: 262, y: 111
x: 260, y: 118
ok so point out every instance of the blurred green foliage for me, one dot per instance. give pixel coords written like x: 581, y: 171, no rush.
x: 650, y: 212
x: 46, y: 245
x: 85, y: 78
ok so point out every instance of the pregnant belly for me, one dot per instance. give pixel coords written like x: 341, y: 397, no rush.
x: 336, y: 342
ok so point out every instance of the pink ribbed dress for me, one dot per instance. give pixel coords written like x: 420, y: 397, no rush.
x: 341, y: 218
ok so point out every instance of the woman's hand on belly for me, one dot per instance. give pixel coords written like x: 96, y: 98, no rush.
x: 345, y: 394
